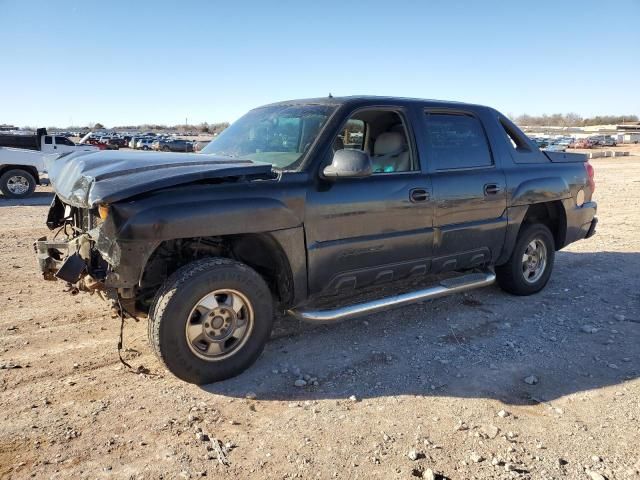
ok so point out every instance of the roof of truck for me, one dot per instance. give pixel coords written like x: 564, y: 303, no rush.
x: 359, y: 99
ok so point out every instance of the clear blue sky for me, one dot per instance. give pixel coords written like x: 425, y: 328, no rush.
x: 127, y: 62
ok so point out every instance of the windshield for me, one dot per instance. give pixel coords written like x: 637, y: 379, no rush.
x: 279, y: 135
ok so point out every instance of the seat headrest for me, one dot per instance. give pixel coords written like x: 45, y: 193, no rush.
x: 388, y: 142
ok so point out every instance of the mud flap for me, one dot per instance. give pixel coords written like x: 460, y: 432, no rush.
x: 72, y: 269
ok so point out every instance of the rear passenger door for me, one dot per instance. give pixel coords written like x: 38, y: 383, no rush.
x: 469, y: 190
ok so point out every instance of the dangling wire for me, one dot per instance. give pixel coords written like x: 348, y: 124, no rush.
x: 123, y: 313
x: 120, y: 340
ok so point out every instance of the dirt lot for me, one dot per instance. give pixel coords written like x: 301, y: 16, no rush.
x: 438, y: 385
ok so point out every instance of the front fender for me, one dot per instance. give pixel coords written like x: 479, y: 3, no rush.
x: 200, y: 219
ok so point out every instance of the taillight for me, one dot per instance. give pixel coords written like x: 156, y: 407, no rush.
x: 590, y: 174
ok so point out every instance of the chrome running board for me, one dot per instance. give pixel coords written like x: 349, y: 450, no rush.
x: 445, y: 287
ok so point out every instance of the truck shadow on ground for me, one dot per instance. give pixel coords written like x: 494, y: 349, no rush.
x: 37, y: 199
x: 581, y: 333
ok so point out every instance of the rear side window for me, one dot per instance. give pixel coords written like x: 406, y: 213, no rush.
x: 456, y: 141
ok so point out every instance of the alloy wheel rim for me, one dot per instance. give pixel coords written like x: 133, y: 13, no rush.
x: 18, y: 185
x: 219, y: 325
x: 534, y: 261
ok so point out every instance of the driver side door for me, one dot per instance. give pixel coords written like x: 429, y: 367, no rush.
x: 364, y: 231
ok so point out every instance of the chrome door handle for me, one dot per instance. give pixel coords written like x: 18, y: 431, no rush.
x: 492, y: 189
x: 418, y: 195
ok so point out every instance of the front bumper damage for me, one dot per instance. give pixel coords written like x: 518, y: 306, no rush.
x: 71, y: 261
x: 82, y: 268
x: 95, y: 262
x: 91, y: 257
x: 50, y: 256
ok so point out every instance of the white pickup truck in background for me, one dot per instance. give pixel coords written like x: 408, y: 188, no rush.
x: 22, y: 160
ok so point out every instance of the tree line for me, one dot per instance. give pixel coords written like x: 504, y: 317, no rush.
x: 202, y: 127
x: 572, y: 120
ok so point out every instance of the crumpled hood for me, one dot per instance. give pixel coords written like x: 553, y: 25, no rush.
x: 86, y: 179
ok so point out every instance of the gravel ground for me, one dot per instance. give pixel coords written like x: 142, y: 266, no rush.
x: 483, y: 385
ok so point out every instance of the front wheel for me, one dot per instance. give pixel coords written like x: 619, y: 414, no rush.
x: 528, y: 269
x: 211, y: 320
x: 17, y: 183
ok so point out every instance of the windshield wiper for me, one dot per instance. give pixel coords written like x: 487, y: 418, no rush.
x: 224, y: 154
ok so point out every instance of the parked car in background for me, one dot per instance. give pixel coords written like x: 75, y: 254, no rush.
x: 199, y: 145
x: 541, y: 142
x: 582, y: 143
x: 603, y: 141
x: 176, y: 145
x: 116, y: 142
x: 555, y: 147
x: 144, y: 143
x: 22, y: 160
x: 609, y: 141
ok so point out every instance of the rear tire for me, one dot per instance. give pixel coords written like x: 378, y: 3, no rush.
x: 17, y: 183
x: 211, y: 320
x: 528, y: 269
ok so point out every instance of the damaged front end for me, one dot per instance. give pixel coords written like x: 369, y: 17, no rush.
x: 85, y: 255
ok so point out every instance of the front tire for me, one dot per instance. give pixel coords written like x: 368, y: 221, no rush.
x: 211, y: 320
x: 17, y: 183
x: 528, y: 269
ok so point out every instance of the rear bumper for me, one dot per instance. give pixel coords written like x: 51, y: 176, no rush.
x: 581, y: 220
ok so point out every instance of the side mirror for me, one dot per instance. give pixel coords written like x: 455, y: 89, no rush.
x: 349, y: 164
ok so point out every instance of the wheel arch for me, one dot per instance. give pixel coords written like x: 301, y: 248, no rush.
x: 27, y: 168
x: 552, y: 214
x: 261, y: 251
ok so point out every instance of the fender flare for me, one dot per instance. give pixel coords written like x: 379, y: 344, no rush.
x: 539, y: 190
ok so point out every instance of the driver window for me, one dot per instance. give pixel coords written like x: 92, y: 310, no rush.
x: 381, y: 134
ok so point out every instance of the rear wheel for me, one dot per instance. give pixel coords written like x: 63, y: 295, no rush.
x: 17, y: 183
x: 528, y: 269
x: 211, y: 320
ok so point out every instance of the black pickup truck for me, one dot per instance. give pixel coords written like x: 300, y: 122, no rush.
x: 298, y: 205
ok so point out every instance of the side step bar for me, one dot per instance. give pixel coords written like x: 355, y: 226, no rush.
x: 444, y: 288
